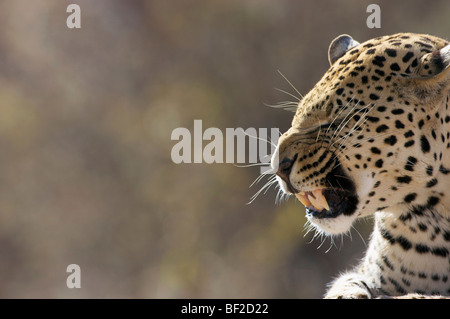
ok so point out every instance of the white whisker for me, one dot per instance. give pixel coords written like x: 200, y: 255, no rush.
x: 301, y: 96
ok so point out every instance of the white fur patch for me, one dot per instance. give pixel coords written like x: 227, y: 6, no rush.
x: 333, y: 226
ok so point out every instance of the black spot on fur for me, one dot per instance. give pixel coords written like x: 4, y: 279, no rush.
x: 399, y: 124
x: 446, y: 235
x: 432, y: 201
x: 410, y: 197
x: 432, y: 182
x: 375, y: 150
x: 378, y: 60
x: 391, y: 52
x: 379, y: 163
x: 391, y: 140
x: 424, y: 144
x: 379, y: 72
x: 421, y: 124
x: 422, y: 249
x: 409, y: 166
x: 410, y: 117
x: 405, y: 243
x: 395, y: 67
x: 408, y: 56
x: 405, y: 179
x: 397, y: 111
x: 444, y: 170
x: 382, y: 128
x: 441, y: 252
x: 373, y: 119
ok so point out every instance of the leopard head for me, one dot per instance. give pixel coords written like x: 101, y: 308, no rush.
x: 373, y: 133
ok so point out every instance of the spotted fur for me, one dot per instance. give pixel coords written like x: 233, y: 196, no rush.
x: 374, y: 135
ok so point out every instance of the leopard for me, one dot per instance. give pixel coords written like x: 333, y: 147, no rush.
x: 371, y: 139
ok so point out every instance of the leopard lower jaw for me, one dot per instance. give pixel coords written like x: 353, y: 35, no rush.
x: 328, y: 203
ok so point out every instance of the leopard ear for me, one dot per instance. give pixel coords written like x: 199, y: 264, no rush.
x: 435, y: 64
x: 432, y: 77
x: 339, y: 46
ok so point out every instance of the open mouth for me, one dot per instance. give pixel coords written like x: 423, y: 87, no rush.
x: 328, y: 202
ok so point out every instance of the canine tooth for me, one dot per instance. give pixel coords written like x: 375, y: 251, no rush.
x: 316, y: 203
x: 303, y: 199
x: 321, y: 199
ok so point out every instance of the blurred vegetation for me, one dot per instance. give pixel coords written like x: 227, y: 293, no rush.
x: 86, y: 118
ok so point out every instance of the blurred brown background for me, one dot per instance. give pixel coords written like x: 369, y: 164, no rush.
x: 86, y: 118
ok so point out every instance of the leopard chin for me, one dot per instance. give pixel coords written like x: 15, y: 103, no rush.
x: 332, y: 226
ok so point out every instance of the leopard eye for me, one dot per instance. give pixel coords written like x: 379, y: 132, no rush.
x: 315, y: 129
x: 325, y: 126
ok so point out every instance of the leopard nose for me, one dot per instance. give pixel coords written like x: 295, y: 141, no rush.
x: 284, y: 170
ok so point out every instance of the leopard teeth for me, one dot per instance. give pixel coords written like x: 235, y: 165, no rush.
x: 319, y: 198
x: 314, y: 198
x: 316, y: 203
x: 303, y: 199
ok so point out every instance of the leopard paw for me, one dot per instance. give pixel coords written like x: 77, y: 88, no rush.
x: 349, y: 286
